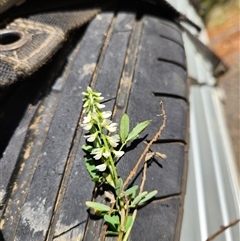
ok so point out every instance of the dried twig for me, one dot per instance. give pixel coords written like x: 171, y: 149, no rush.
x: 155, y: 138
x: 143, y: 177
x: 104, y: 232
x: 147, y: 158
x: 223, y: 229
x: 105, y: 225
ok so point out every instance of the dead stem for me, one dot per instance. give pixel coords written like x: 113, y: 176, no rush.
x: 223, y: 229
x: 155, y: 138
x: 143, y: 177
x: 105, y: 225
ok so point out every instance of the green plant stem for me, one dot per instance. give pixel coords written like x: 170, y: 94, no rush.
x: 130, y: 228
x: 113, y: 171
x: 115, y: 176
x: 123, y: 219
x: 123, y: 223
x: 123, y: 144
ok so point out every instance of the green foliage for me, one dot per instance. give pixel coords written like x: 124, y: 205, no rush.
x: 129, y: 223
x: 138, y: 198
x: 124, y: 127
x: 102, y: 152
x: 99, y: 207
x: 119, y: 186
x: 91, y: 168
x: 131, y: 191
x: 148, y: 197
x: 134, y: 134
x: 113, y: 222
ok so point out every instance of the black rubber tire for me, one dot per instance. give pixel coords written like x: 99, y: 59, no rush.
x: 135, y: 62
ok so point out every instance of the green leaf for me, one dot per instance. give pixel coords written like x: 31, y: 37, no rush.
x: 98, y: 206
x: 87, y: 148
x: 119, y: 186
x: 124, y: 128
x: 112, y: 221
x: 91, y: 168
x: 128, y: 223
x: 137, y: 130
x: 138, y: 199
x: 116, y: 219
x: 130, y: 191
x: 149, y: 196
x: 110, y: 180
x: 112, y: 233
x: 133, y: 195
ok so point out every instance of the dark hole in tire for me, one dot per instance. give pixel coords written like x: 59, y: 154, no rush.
x: 9, y: 37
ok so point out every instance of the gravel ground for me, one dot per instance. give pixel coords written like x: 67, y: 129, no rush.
x: 224, y: 33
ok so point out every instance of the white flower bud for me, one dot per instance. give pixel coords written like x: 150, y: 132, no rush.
x: 87, y: 126
x: 113, y: 140
x: 106, y: 154
x: 112, y: 127
x: 106, y: 114
x: 86, y: 119
x: 97, y: 152
x: 118, y: 154
x: 100, y: 106
x: 101, y: 167
x: 92, y: 137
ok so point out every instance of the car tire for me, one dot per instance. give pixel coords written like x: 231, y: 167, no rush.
x: 136, y: 59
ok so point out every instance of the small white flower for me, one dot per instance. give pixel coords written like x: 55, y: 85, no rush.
x: 92, y: 137
x: 106, y: 114
x: 97, y: 152
x: 101, y: 167
x: 118, y: 154
x: 87, y: 126
x: 106, y: 154
x: 106, y: 122
x: 95, y: 116
x: 100, y: 106
x: 86, y: 119
x: 113, y: 140
x: 112, y: 127
x: 89, y: 90
x: 99, y: 98
x: 109, y: 125
x: 86, y: 104
x: 97, y: 94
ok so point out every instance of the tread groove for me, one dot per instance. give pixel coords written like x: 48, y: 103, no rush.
x: 103, y: 52
x: 159, y: 94
x: 77, y: 225
x: 170, y: 141
x: 71, y: 159
x: 172, y: 40
x: 128, y: 72
x: 172, y: 62
x: 167, y: 197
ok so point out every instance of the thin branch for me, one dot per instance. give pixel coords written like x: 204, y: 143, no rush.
x: 223, y: 229
x: 105, y: 225
x: 155, y: 138
x: 144, y: 177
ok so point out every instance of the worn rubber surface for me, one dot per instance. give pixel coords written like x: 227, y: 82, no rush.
x: 135, y: 61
